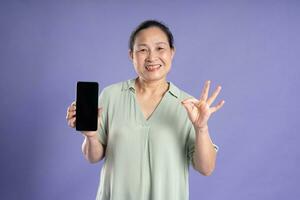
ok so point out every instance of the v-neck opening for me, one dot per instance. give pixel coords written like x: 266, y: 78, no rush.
x: 152, y: 113
x: 156, y: 109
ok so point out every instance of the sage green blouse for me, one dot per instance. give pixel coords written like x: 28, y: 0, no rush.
x: 144, y: 159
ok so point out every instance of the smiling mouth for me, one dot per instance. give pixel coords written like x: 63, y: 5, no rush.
x: 153, y: 67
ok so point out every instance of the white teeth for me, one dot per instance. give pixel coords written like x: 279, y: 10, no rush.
x: 153, y: 67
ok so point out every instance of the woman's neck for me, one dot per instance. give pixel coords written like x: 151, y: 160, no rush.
x: 158, y: 87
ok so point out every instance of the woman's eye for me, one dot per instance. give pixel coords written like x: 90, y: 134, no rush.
x: 142, y: 50
x: 160, y: 48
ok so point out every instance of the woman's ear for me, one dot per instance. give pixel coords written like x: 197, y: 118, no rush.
x: 173, y: 52
x: 130, y: 54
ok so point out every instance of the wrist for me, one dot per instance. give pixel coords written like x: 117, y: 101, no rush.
x: 202, y: 129
x: 90, y: 135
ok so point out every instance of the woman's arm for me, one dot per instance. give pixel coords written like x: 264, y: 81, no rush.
x: 92, y: 149
x: 204, y: 157
x: 199, y: 111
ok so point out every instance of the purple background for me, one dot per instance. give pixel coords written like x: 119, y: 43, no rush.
x: 250, y: 48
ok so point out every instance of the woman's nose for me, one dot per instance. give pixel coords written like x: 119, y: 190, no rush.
x: 152, y: 55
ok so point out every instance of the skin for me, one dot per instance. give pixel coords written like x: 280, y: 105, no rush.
x: 151, y: 50
x: 151, y: 47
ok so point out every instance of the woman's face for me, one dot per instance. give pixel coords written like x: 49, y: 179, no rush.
x: 152, y: 56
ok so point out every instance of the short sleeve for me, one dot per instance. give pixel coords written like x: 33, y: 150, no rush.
x: 191, y: 145
x: 102, y: 130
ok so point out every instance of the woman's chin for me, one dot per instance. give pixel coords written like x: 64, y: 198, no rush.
x: 155, y: 77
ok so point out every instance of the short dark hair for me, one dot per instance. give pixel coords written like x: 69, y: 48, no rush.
x: 148, y: 24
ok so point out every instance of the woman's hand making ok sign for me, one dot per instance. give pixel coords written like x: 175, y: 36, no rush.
x: 200, y: 110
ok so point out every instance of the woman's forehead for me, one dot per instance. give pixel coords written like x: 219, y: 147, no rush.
x: 152, y: 35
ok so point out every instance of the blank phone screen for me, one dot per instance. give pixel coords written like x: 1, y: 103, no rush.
x: 87, y: 106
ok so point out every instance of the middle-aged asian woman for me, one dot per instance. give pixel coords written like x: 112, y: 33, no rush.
x: 150, y: 131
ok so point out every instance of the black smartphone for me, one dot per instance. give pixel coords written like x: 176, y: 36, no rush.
x: 87, y: 106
